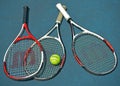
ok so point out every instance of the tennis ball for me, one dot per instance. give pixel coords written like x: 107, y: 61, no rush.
x: 55, y: 59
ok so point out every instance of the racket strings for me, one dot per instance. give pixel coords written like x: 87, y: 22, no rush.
x: 51, y: 46
x: 94, y: 54
x: 33, y: 60
x: 15, y: 57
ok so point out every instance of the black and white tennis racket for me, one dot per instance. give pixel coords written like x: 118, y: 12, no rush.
x: 21, y: 52
x: 94, y: 53
x: 52, y: 44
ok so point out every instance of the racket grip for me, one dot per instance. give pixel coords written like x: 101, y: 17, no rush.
x: 62, y: 10
x: 60, y: 16
x: 25, y: 14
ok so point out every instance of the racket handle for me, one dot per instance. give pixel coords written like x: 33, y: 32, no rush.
x: 25, y: 14
x: 62, y: 10
x: 60, y: 16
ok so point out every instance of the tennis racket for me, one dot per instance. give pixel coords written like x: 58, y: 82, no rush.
x: 94, y: 53
x: 20, y: 49
x: 52, y: 45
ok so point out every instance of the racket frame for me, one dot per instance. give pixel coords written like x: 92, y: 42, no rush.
x: 59, y: 39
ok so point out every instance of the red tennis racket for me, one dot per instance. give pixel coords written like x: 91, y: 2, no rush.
x: 20, y: 50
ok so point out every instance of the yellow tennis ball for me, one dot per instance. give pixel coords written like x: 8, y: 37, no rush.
x: 55, y: 59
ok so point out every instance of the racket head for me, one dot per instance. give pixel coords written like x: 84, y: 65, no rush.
x: 94, y: 53
x: 51, y: 46
x: 17, y: 51
x: 15, y: 59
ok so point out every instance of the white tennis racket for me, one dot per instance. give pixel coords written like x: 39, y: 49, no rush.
x: 52, y: 44
x: 94, y: 53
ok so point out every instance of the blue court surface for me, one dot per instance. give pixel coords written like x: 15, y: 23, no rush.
x: 99, y: 16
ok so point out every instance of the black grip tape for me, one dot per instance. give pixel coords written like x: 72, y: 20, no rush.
x: 25, y: 14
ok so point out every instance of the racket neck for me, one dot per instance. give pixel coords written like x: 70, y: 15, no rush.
x: 71, y: 27
x: 55, y: 27
x: 58, y: 31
